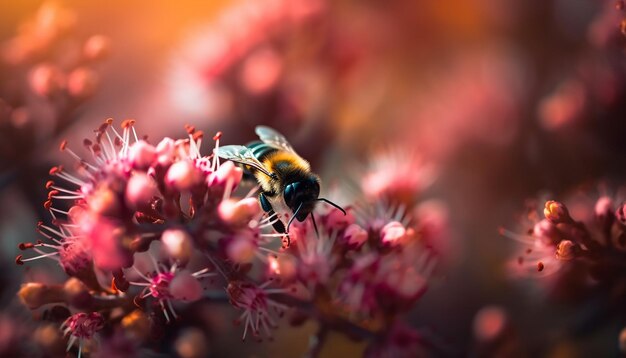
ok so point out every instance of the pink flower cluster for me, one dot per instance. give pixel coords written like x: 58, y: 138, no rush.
x: 579, y: 249
x: 557, y: 238
x: 165, y: 225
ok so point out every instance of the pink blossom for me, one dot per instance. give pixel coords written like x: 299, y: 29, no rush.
x: 256, y: 305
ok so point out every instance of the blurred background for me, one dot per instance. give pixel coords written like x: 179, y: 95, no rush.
x: 503, y: 100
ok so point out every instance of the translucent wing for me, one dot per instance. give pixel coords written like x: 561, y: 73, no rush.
x: 241, y: 154
x: 273, y: 138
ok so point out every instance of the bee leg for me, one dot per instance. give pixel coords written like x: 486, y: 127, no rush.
x: 265, y: 204
x: 278, y: 224
x: 280, y: 227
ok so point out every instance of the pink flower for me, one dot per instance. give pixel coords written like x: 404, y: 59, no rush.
x: 241, y: 250
x: 355, y: 236
x: 256, y: 305
x: 107, y: 241
x: 560, y: 240
x: 387, y: 282
x: 82, y: 326
x: 166, y: 284
x: 536, y: 257
x: 140, y: 190
x: 238, y: 213
x: 183, y: 176
x: 316, y: 261
x: 555, y: 212
x: 397, y: 176
x: 177, y: 244
x: 392, y: 233
x: 142, y: 155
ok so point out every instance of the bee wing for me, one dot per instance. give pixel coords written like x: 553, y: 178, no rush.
x: 273, y: 138
x: 241, y: 154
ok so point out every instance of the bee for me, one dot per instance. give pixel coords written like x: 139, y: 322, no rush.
x: 285, y: 179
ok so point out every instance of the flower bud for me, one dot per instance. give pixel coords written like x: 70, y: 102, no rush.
x: 177, y: 244
x: 166, y: 151
x: 34, y: 295
x: 546, y: 232
x: 226, y: 173
x: 142, y: 155
x: 84, y: 325
x: 96, y: 47
x: 82, y: 82
x: 566, y: 250
x: 555, y: 212
x: 355, y: 236
x: 182, y: 176
x: 140, y: 190
x: 336, y: 220
x: 241, y: 250
x: 392, y: 233
x: 604, y: 206
x: 238, y: 213
x: 76, y: 293
x: 604, y: 210
x: 185, y: 287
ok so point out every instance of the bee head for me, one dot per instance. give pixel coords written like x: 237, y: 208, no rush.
x: 303, y: 192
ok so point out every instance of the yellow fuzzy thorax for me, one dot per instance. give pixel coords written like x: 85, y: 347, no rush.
x: 272, y: 161
x: 281, y: 156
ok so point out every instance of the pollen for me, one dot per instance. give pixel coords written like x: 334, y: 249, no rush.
x: 25, y: 245
x: 55, y: 170
x: 198, y: 135
x: 127, y: 123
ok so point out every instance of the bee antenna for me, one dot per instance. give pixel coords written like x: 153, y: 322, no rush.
x: 333, y: 204
x: 293, y: 217
x: 317, y: 233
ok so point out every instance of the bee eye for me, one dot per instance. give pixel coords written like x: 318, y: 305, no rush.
x: 289, y: 193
